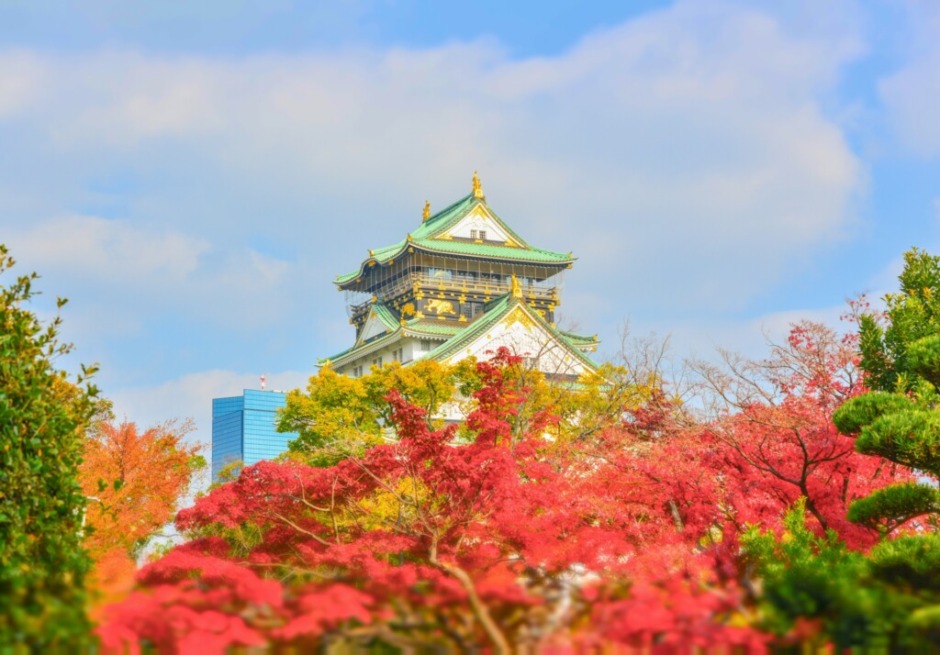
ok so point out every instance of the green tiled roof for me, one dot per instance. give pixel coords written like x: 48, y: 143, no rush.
x: 458, y: 337
x: 496, y: 312
x: 385, y: 315
x: 416, y: 326
x: 495, y: 251
x: 444, y: 329
x: 425, y: 238
x: 579, y: 339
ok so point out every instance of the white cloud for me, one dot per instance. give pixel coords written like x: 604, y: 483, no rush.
x: 912, y: 94
x: 105, y: 249
x: 912, y: 97
x: 686, y: 157
x: 139, y: 272
x: 21, y: 78
x: 190, y: 396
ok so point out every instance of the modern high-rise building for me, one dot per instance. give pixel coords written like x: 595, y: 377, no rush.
x: 244, y: 429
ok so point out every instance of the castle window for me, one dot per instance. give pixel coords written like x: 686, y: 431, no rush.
x: 473, y: 234
x: 425, y: 346
x: 471, y: 309
x: 483, y: 235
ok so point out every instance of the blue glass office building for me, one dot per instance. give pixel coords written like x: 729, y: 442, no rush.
x: 244, y: 428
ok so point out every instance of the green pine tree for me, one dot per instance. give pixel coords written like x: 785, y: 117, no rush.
x: 899, y: 420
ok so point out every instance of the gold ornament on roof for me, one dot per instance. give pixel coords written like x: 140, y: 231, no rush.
x: 516, y: 287
x: 477, y: 187
x: 426, y: 214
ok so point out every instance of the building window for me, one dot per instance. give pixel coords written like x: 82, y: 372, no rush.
x: 483, y: 235
x: 473, y: 234
x: 377, y: 362
x: 397, y: 355
x: 425, y: 346
x: 470, y: 309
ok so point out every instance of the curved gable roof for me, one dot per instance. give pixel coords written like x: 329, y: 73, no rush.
x: 432, y: 236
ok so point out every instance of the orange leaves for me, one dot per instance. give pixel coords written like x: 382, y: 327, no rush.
x: 112, y: 578
x: 134, y: 481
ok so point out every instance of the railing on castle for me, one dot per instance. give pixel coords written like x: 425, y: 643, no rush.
x: 487, y: 286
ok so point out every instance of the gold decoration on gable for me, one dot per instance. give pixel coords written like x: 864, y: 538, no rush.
x: 519, y: 315
x: 477, y: 187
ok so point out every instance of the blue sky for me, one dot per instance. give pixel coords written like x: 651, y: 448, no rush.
x: 193, y: 175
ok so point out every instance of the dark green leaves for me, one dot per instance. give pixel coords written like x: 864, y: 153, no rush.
x: 893, y: 506
x: 860, y: 411
x: 42, y: 563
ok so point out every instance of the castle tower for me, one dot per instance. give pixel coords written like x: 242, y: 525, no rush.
x: 461, y: 283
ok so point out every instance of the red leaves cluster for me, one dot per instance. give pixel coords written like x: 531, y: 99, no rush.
x: 777, y: 443
x: 628, y: 537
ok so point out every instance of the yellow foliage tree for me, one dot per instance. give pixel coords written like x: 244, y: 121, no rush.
x: 338, y: 416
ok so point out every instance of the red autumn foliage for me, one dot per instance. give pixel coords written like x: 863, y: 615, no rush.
x: 776, y: 443
x: 504, y: 543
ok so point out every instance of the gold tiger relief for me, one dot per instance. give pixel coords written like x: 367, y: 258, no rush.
x: 439, y: 307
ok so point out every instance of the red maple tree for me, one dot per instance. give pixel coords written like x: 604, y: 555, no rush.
x: 775, y: 441
x: 509, y: 543
x: 500, y: 543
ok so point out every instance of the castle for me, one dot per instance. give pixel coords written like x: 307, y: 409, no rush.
x: 461, y: 284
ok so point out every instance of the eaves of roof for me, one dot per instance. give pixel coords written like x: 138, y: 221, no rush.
x: 579, y: 339
x: 455, y: 338
x: 426, y: 237
x: 413, y: 328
